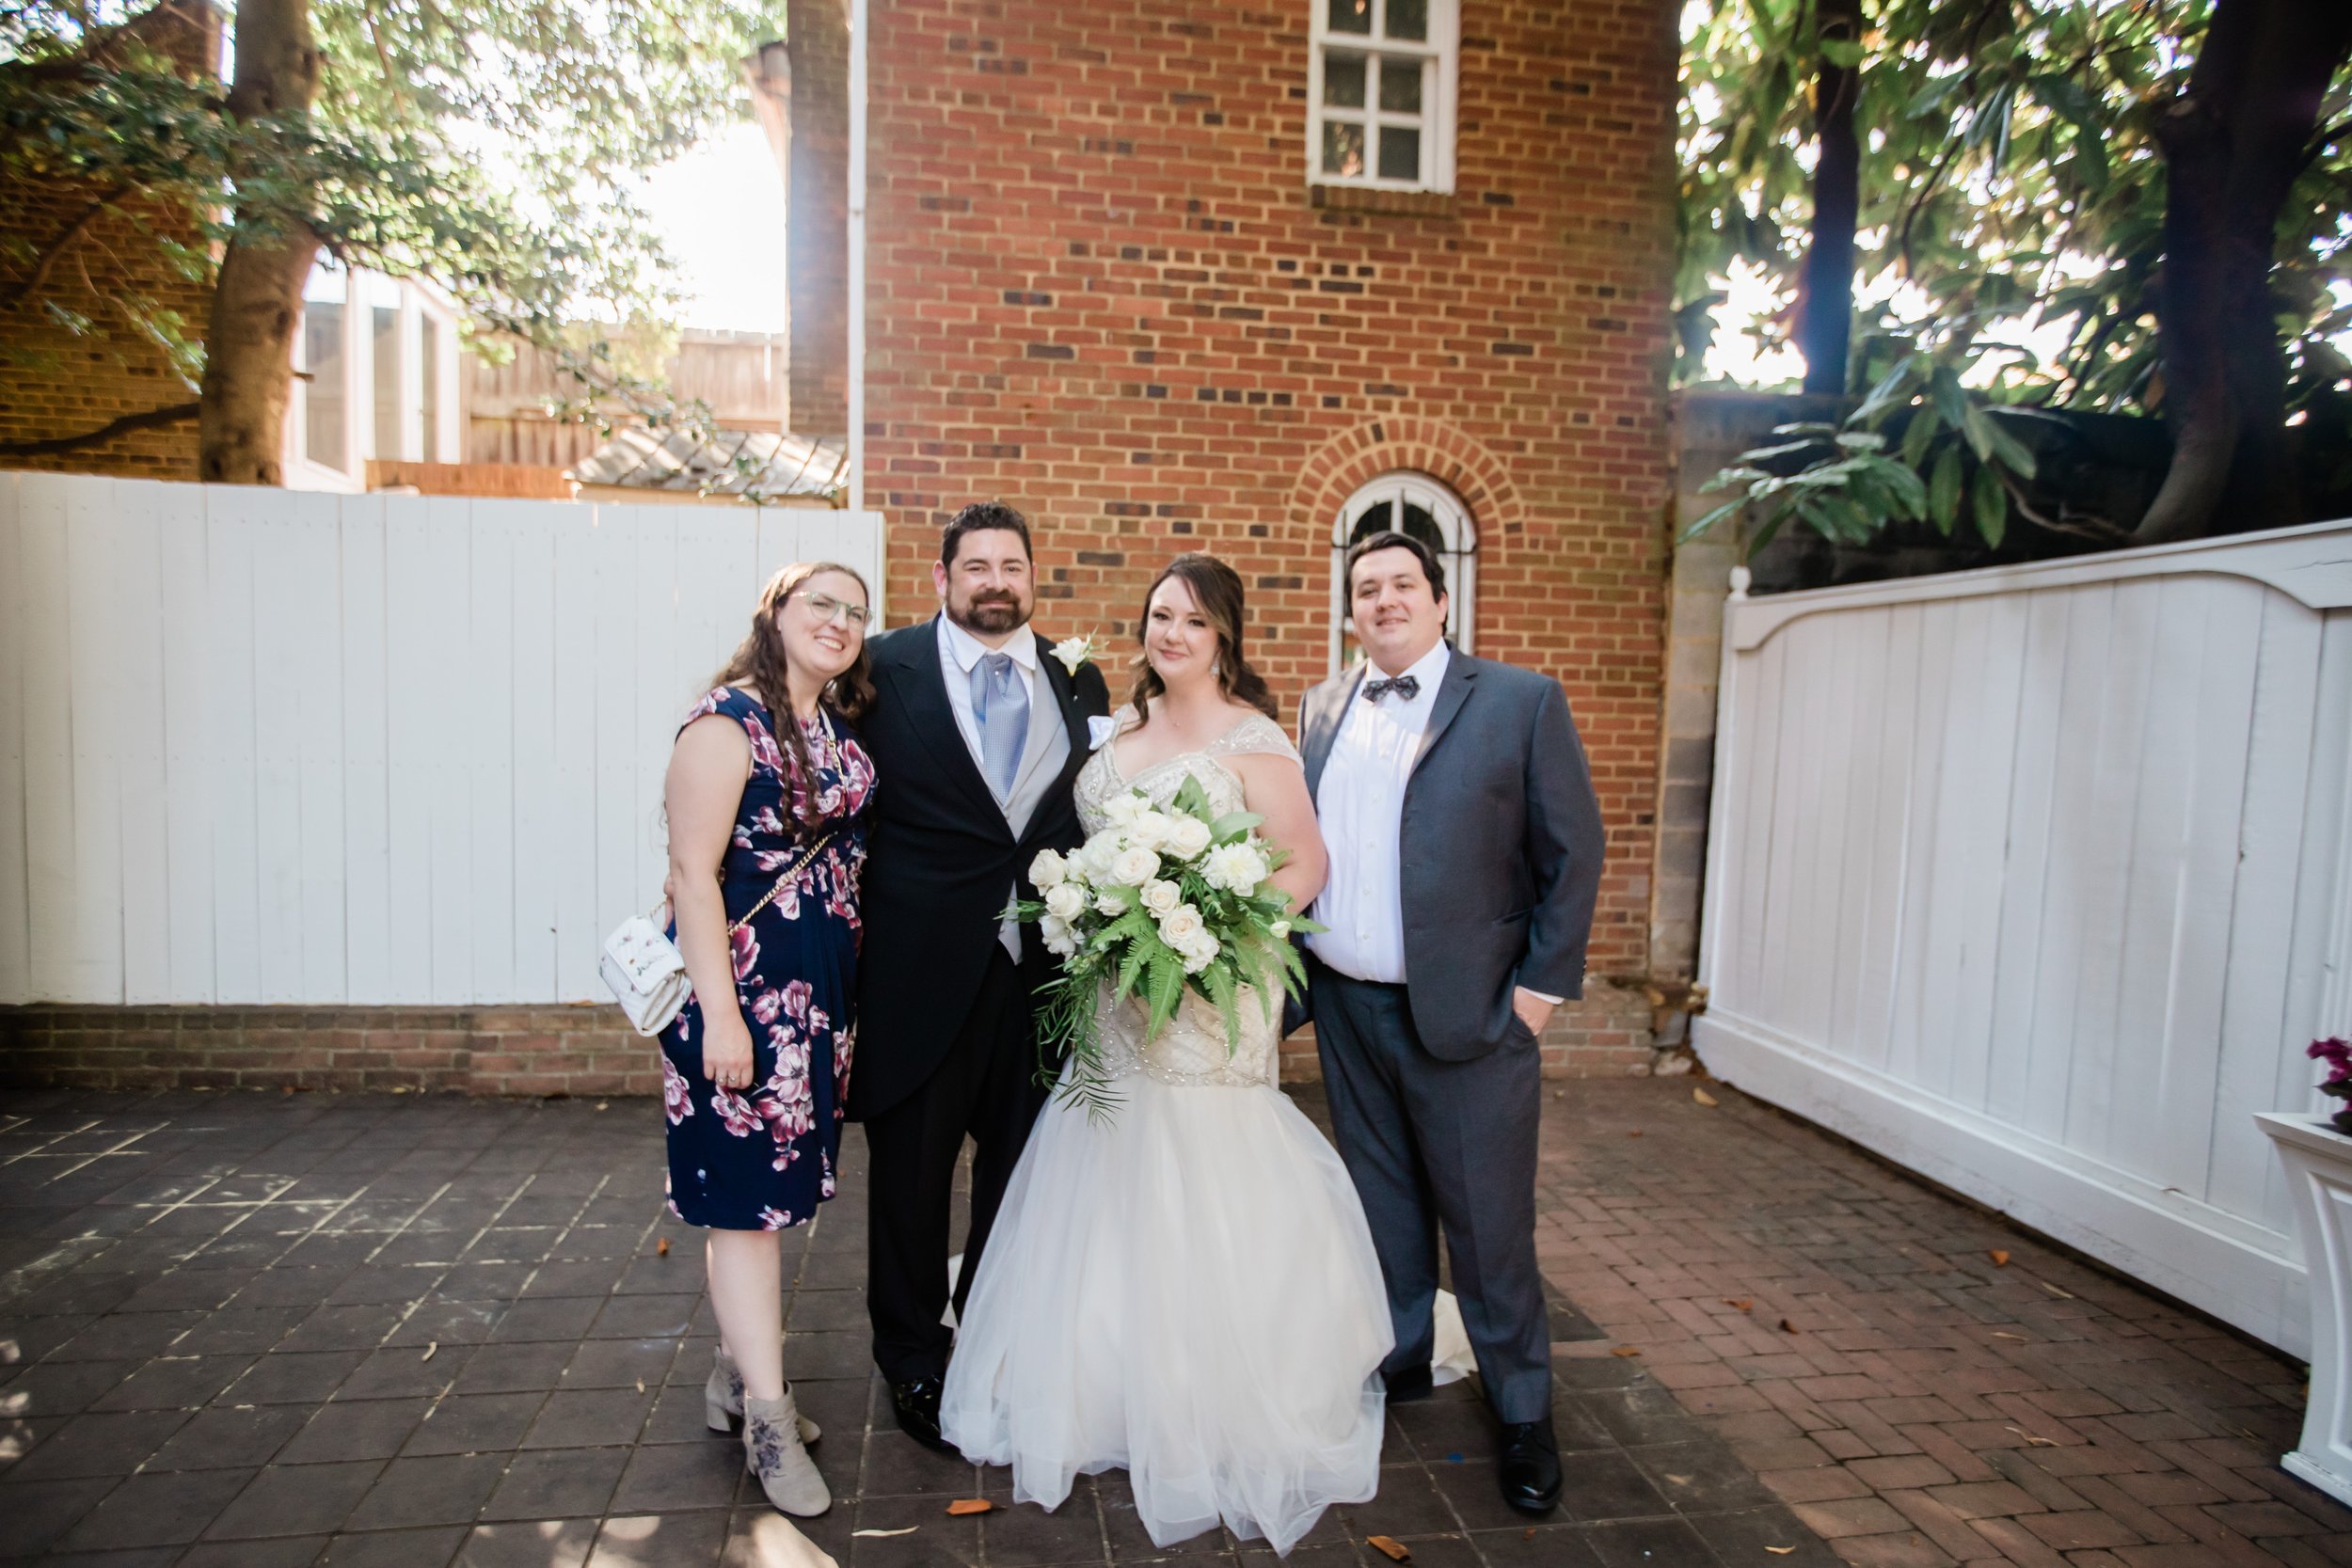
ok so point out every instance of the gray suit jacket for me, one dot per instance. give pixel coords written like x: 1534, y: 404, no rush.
x: 1498, y: 853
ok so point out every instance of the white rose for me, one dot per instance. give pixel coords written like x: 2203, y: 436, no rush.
x: 1065, y: 900
x: 1235, y: 867
x: 1197, y: 957
x: 1061, y: 940
x: 1280, y: 930
x: 1149, y: 829
x: 1187, y: 835
x: 1120, y: 811
x: 1133, y: 866
x: 1111, y: 902
x: 1180, y: 924
x: 1160, y: 897
x: 1049, y: 869
x: 1073, y: 651
x: 1203, y: 947
x: 1096, y: 854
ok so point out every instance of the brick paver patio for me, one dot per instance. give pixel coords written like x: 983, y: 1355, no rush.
x: 250, y: 1329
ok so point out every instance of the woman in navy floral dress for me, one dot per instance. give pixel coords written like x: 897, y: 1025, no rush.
x: 765, y: 797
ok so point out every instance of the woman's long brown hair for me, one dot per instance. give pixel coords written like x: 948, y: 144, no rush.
x: 758, y: 664
x: 1217, y: 592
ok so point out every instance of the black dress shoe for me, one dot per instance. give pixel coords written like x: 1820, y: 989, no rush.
x: 1527, y: 1466
x: 916, y: 1402
x: 1408, y: 1386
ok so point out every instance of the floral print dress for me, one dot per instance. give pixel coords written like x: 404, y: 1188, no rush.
x: 762, y: 1159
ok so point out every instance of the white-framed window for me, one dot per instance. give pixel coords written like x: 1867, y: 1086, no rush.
x: 377, y: 378
x: 1419, y: 507
x: 1381, y: 79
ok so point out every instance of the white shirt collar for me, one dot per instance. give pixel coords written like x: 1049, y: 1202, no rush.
x: 1427, y: 670
x: 966, y: 649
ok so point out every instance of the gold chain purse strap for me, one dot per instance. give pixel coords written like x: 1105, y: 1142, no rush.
x: 770, y: 897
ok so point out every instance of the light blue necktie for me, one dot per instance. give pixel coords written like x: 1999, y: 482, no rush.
x: 1000, y: 704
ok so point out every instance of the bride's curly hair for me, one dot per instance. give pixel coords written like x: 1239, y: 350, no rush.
x: 758, y: 665
x: 1217, y: 590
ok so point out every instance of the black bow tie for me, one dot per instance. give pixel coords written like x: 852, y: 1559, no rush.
x: 1403, y: 686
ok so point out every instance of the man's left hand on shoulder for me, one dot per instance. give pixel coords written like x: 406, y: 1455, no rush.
x: 1533, y: 1010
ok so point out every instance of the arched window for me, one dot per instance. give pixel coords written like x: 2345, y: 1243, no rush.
x: 1420, y: 507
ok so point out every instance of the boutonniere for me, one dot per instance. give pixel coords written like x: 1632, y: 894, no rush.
x: 1076, y: 651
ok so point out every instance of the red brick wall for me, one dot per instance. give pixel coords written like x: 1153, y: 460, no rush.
x: 57, y: 383
x: 816, y: 213
x: 1099, y: 287
x: 530, y: 1050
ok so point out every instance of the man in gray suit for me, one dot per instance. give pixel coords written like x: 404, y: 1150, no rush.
x: 1466, y: 847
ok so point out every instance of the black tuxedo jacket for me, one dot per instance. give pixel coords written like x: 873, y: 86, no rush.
x: 941, y: 859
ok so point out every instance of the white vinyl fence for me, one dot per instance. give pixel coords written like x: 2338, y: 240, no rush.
x: 267, y: 746
x: 2039, y: 880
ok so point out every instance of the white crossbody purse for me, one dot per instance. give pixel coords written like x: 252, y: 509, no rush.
x: 644, y: 969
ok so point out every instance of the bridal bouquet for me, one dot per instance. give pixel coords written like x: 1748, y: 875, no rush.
x: 1161, y: 900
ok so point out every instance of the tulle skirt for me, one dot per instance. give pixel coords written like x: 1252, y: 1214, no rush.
x: 1186, y: 1291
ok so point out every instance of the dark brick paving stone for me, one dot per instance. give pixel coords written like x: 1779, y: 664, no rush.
x: 558, y: 1483
x: 100, y: 1444
x: 588, y: 1418
x: 508, y: 1244
x: 19, y: 1436
x: 659, y: 1541
x: 291, y: 1285
x: 174, y: 1383
x: 534, y: 1544
x: 404, y: 1369
x: 508, y: 1369
x: 762, y: 1538
x: 65, y: 1387
x: 565, y: 1318
x: 644, y: 1317
x: 156, y: 1510
x: 499, y: 1282
x: 1031, y: 1537
x: 1473, y: 1492
x: 407, y: 1548
x: 292, y: 1551
x: 293, y: 1377
x: 682, y: 1476
x: 1409, y: 1504
x: 475, y: 1424
x: 355, y: 1429
x: 294, y: 1499
x: 651, y: 1276
x: 621, y: 1363
x: 34, y: 1513
x: 443, y: 1489
x: 31, y: 1338
x: 436, y: 1248
x: 811, y: 1310
x: 1640, y: 1415
x: 1749, y: 1535
x: 241, y: 1330
x: 596, y: 1242
x: 589, y: 1278
x: 448, y: 1324
x: 829, y: 1354
x: 185, y: 1291
x: 1701, y: 1478
x: 376, y: 1284
x: 677, y: 1417
x: 1646, y: 1544
x: 938, y: 1541
x: 1527, y: 1545
x: 224, y: 1437
x: 134, y: 1337
x: 895, y: 1464
x: 331, y: 1328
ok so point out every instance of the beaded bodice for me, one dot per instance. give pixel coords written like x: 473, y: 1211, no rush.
x: 1193, y: 1049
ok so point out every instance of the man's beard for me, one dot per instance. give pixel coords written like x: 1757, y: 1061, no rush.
x: 992, y: 616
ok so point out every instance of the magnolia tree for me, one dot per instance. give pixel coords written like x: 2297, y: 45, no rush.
x: 2167, y: 182
x: 368, y: 131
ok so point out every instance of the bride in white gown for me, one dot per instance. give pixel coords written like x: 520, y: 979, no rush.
x: 1187, y: 1287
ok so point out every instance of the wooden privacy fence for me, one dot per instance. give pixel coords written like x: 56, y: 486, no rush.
x: 266, y: 746
x: 2039, y: 880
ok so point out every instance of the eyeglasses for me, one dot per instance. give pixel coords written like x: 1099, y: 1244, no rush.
x: 826, y: 608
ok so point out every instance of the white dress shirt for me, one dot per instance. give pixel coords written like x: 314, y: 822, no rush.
x: 958, y: 651
x: 1359, y: 803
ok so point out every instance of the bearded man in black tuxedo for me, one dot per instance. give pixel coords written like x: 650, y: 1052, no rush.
x: 977, y: 731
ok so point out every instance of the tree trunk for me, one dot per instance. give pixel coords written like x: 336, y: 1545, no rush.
x: 257, y: 301
x: 2234, y: 142
x: 1825, y: 305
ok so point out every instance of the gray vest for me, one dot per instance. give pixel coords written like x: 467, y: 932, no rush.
x: 1042, y: 754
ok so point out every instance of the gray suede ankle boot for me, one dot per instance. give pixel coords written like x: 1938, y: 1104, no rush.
x: 722, y: 1398
x: 773, y: 1449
